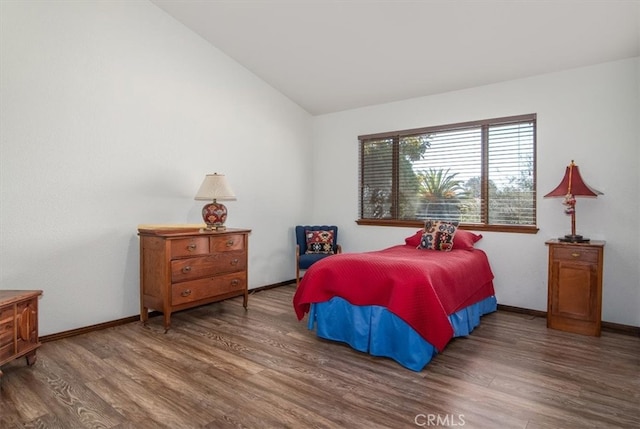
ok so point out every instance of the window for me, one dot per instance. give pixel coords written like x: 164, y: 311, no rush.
x: 481, y: 174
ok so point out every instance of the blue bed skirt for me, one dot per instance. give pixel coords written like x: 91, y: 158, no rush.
x: 374, y: 330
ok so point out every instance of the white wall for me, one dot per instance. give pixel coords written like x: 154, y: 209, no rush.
x: 112, y: 113
x: 588, y: 114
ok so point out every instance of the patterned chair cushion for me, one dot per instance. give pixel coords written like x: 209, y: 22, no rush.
x: 319, y: 241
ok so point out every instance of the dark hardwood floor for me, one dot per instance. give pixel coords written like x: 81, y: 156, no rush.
x: 220, y: 366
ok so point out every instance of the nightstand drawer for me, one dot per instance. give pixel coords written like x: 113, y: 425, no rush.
x: 227, y: 243
x: 197, y: 290
x: 195, y: 268
x: 577, y: 254
x: 189, y: 247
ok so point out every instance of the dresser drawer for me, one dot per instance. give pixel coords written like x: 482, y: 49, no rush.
x: 7, y: 322
x: 6, y: 335
x: 195, y: 268
x: 6, y: 330
x: 6, y: 314
x: 189, y: 247
x: 6, y: 351
x: 577, y: 254
x: 227, y: 243
x: 209, y: 287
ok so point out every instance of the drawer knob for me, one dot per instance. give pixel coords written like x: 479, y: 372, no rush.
x: 230, y: 243
x: 191, y: 247
x: 235, y: 282
x: 575, y: 254
x: 235, y: 261
x: 185, y: 292
x: 186, y: 269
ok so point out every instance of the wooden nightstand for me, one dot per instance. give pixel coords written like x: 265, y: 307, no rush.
x: 18, y: 325
x: 574, y: 300
x: 183, y: 267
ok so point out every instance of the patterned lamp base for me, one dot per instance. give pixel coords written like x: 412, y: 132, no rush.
x: 214, y: 215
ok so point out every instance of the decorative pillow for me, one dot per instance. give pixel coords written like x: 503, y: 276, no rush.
x: 414, y: 240
x: 319, y: 241
x: 465, y: 239
x: 438, y: 235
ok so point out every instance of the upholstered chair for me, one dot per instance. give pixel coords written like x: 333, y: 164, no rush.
x: 313, y: 243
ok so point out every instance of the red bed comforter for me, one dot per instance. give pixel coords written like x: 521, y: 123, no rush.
x: 422, y: 287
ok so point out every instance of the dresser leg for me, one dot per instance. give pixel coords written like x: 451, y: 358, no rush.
x: 167, y: 321
x: 144, y: 315
x: 31, y: 358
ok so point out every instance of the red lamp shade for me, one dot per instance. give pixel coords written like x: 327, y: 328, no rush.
x: 573, y: 184
x: 570, y: 187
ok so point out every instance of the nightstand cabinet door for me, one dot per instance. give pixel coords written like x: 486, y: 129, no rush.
x: 183, y: 267
x: 574, y: 301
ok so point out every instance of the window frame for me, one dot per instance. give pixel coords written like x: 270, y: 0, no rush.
x: 484, y: 125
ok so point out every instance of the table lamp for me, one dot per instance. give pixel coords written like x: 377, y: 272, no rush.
x: 570, y: 187
x: 214, y: 188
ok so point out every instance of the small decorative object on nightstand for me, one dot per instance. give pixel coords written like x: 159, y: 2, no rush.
x: 186, y: 266
x: 18, y: 325
x: 574, y: 300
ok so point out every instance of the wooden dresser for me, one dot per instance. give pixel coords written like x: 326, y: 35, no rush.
x: 183, y: 267
x: 18, y: 325
x: 574, y: 300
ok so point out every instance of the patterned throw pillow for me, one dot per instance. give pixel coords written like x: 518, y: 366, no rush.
x: 319, y: 241
x: 463, y: 239
x: 438, y: 235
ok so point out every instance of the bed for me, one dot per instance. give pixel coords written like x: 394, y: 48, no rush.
x: 403, y: 302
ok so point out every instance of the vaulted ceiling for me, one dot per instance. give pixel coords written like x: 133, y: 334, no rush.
x: 330, y: 55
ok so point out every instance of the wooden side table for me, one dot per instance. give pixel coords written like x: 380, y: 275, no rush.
x: 18, y: 325
x: 574, y: 300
